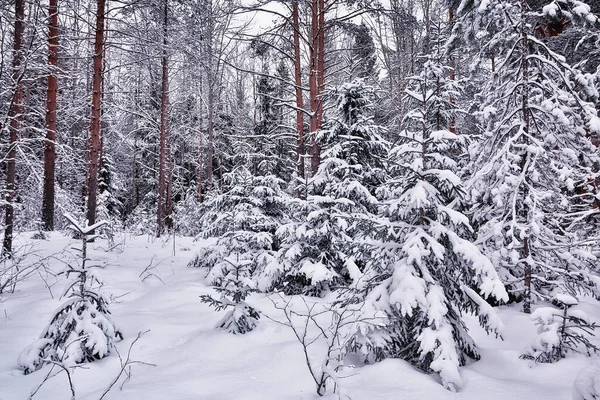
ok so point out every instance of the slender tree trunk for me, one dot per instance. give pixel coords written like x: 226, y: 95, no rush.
x: 209, y: 130
x: 211, y: 76
x: 169, y: 189
x: 526, y: 126
x: 94, y: 151
x: 161, y: 209
x: 49, y: 145
x: 16, y: 118
x: 320, y: 81
x: 201, y: 149
x: 316, y: 77
x: 298, y: 81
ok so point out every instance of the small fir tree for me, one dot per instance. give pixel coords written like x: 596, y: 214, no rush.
x: 81, y: 330
x: 561, y: 330
x: 234, y: 286
x: 317, y: 250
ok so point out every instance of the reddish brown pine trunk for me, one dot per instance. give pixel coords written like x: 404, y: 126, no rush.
x: 49, y: 146
x: 92, y: 184
x: 16, y: 117
x: 160, y: 214
x: 298, y: 78
x: 316, y: 77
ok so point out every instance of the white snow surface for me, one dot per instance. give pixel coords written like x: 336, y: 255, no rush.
x: 196, y: 361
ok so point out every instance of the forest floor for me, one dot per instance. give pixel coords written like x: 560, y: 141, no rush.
x: 193, y: 360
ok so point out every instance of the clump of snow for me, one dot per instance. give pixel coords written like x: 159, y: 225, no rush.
x: 566, y: 299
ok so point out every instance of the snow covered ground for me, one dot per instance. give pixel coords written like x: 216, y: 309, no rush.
x: 195, y: 361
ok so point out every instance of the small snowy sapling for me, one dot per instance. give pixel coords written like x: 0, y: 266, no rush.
x: 560, y: 331
x: 234, y: 288
x: 80, y: 330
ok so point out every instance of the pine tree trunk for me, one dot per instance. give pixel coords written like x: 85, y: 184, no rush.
x: 49, y: 145
x: 16, y: 117
x: 298, y: 81
x: 160, y: 213
x: 94, y: 151
x: 316, y: 77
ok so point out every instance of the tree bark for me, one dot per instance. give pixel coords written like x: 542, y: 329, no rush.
x: 94, y: 151
x: 49, y: 145
x: 160, y: 214
x: 316, y: 77
x: 16, y: 117
x: 298, y: 81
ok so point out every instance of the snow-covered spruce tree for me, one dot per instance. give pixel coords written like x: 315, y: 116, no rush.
x: 560, y: 331
x: 534, y: 161
x: 317, y: 251
x: 243, y: 219
x: 424, y: 272
x: 81, y: 330
x: 109, y: 207
x: 234, y: 285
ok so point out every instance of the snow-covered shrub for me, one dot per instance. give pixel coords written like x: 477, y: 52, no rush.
x: 318, y: 249
x: 424, y: 271
x: 80, y: 330
x: 325, y: 326
x: 234, y: 286
x: 244, y: 219
x: 560, y: 331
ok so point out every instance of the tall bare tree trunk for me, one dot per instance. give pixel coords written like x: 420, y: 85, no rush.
x: 16, y: 117
x: 211, y: 80
x: 201, y: 127
x: 526, y: 123
x: 298, y: 81
x: 169, y: 189
x: 94, y: 151
x: 160, y: 214
x: 320, y: 81
x: 316, y: 77
x: 49, y: 145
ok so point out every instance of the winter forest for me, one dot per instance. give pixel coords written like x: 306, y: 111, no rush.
x: 294, y: 199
